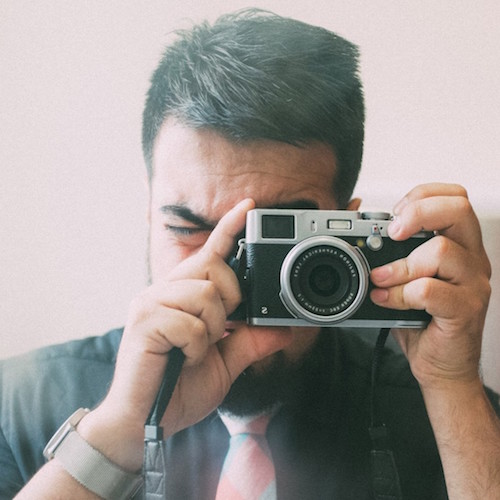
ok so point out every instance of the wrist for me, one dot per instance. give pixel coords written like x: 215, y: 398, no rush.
x: 444, y: 399
x: 435, y: 377
x: 458, y: 407
x: 454, y: 389
x: 467, y: 433
x: 118, y: 440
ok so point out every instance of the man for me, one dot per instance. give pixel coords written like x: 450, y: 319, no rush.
x: 258, y: 110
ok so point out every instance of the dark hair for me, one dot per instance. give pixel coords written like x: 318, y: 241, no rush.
x: 255, y: 75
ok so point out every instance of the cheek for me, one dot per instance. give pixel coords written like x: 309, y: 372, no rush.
x: 164, y: 256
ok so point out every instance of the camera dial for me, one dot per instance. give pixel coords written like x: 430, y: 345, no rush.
x: 324, y: 280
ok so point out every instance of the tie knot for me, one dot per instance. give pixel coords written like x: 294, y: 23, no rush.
x: 256, y: 425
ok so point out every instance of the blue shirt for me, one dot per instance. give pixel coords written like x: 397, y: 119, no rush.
x: 39, y: 391
x: 320, y: 444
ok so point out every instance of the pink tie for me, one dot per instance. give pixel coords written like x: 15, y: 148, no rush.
x: 248, y: 471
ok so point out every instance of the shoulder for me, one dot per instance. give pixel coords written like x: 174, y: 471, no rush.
x: 98, y: 348
x: 62, y: 366
x: 59, y: 373
x: 40, y: 389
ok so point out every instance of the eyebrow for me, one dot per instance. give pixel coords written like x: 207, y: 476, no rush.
x: 188, y: 215
x: 184, y: 212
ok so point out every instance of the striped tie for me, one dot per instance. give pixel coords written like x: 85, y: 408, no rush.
x: 248, y: 471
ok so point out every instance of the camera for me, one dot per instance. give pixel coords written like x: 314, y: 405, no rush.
x: 312, y: 267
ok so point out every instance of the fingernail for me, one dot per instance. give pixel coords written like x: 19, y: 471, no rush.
x: 379, y: 295
x: 394, y: 227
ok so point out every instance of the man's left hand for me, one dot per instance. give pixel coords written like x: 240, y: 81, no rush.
x: 448, y: 276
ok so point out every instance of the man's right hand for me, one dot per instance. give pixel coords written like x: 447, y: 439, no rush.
x: 188, y: 309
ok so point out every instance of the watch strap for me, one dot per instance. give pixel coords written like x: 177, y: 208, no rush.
x: 91, y: 468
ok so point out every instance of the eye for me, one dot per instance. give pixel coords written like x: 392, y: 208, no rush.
x: 184, y: 230
x: 191, y: 236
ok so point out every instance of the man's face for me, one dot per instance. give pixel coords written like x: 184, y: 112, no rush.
x: 199, y: 175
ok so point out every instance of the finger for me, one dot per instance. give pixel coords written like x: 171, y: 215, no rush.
x: 438, y: 257
x: 452, y: 216
x: 226, y: 281
x: 210, y: 267
x: 197, y: 298
x: 185, y: 331
x: 438, y: 298
x: 221, y: 240
x: 429, y: 190
x: 163, y: 330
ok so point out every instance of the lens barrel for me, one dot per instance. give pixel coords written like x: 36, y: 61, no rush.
x: 324, y: 280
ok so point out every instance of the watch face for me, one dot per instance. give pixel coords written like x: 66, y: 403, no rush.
x: 61, y: 433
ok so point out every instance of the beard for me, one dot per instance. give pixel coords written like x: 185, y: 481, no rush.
x: 280, y: 382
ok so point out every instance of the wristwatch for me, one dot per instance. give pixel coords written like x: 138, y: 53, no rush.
x: 87, y: 465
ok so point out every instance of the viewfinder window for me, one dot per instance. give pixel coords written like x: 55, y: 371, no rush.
x: 278, y: 226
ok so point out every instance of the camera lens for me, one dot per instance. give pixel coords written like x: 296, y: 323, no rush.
x: 323, y: 280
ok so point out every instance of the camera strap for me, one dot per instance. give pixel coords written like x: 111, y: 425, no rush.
x: 154, y: 464
x: 384, y: 472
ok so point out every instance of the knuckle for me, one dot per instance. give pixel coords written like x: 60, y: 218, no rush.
x: 461, y: 191
x: 487, y: 267
x: 408, y: 267
x: 197, y: 328
x: 402, y: 296
x: 420, y: 191
x: 141, y: 306
x: 464, y: 206
x: 208, y: 258
x: 426, y: 289
x: 234, y: 300
x: 488, y: 287
x: 476, y: 306
x: 485, y: 292
x: 209, y: 291
x: 416, y: 210
x: 442, y: 246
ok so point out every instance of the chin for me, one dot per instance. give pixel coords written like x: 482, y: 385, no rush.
x: 258, y: 388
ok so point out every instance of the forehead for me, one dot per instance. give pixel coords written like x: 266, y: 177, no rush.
x: 204, y: 171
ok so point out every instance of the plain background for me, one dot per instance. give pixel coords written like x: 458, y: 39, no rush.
x: 72, y: 194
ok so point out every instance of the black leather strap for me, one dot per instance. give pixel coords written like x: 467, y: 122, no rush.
x: 385, y: 477
x: 154, y: 458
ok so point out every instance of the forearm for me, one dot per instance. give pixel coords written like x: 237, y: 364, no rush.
x: 467, y: 432
x: 52, y: 482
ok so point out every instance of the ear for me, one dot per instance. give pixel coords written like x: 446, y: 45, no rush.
x: 354, y: 204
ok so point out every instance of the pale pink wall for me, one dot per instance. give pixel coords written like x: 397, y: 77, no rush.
x: 74, y: 74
